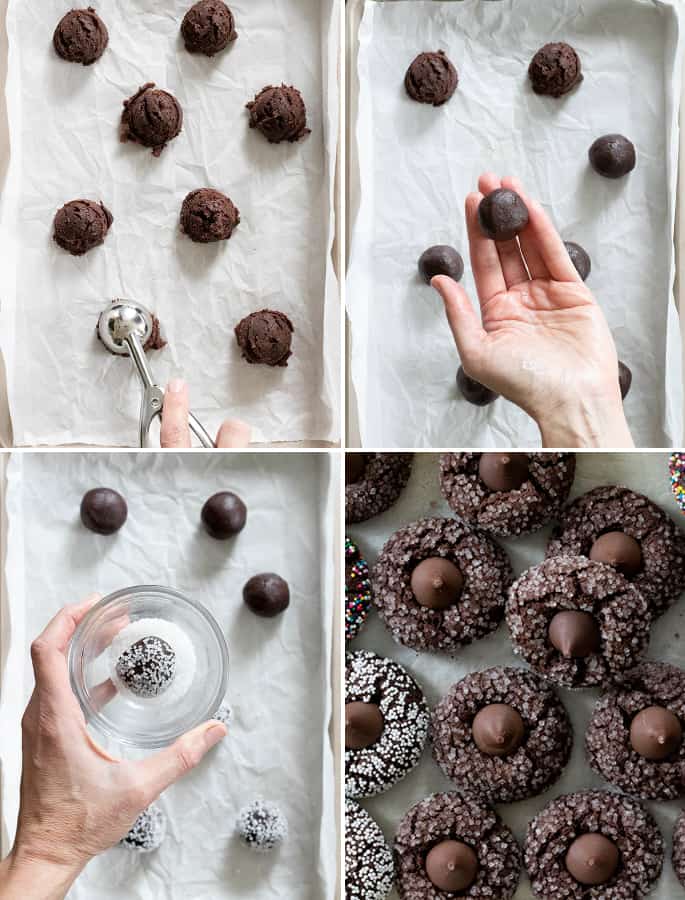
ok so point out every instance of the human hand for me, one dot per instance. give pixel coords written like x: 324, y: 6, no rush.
x: 542, y: 341
x: 175, y: 431
x: 76, y: 800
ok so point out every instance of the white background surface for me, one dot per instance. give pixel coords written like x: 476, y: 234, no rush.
x: 279, y: 677
x: 64, y: 127
x: 647, y: 473
x: 404, y: 360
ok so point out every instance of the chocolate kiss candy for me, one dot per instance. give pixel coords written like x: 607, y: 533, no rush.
x: 437, y: 583
x: 503, y: 471
x: 592, y: 859
x: 656, y: 733
x: 363, y: 725
x: 620, y: 550
x: 451, y: 866
x: 575, y: 634
x: 498, y: 729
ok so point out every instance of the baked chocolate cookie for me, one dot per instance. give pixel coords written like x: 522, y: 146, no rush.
x: 593, y: 845
x: 369, y: 866
x: 507, y: 493
x: 431, y: 78
x: 679, y: 848
x: 501, y: 734
x: 618, y: 526
x: 635, y: 737
x: 386, y: 723
x: 373, y: 482
x: 357, y: 590
x: 577, y: 622
x: 447, y: 844
x: 439, y: 585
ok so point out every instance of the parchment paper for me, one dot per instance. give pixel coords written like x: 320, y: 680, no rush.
x: 418, y: 163
x: 643, y: 472
x: 279, y: 677
x: 64, y: 131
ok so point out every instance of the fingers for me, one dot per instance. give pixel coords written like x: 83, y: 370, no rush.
x: 464, y: 323
x: 509, y: 252
x: 485, y: 261
x: 164, y: 768
x: 48, y: 649
x: 534, y: 262
x: 234, y: 433
x: 175, y: 431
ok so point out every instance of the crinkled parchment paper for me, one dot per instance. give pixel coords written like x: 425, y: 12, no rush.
x: 279, y: 677
x: 647, y: 473
x: 64, y: 144
x: 417, y: 165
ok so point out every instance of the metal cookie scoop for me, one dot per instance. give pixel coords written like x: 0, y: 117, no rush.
x: 124, y: 328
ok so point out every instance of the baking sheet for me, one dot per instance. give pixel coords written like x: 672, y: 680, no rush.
x: 64, y: 136
x: 278, y: 746
x: 647, y: 473
x: 403, y: 358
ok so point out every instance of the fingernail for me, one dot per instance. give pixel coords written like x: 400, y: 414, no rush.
x: 214, y: 734
x: 176, y: 386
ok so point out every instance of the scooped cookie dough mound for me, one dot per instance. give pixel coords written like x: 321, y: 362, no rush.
x: 501, y: 734
x: 439, y: 585
x: 373, y: 482
x: 357, y: 590
x: 507, y: 493
x: 152, y: 118
x: 265, y: 338
x: 81, y: 225
x: 431, y: 78
x: 620, y: 527
x: 81, y: 36
x: 208, y: 216
x: 208, y: 27
x: 261, y: 826
x: 386, y: 723
x: 679, y: 848
x: 555, y: 70
x: 369, y: 866
x: 577, y: 622
x: 279, y: 113
x: 635, y: 737
x: 448, y: 843
x: 148, y: 831
x: 593, y: 845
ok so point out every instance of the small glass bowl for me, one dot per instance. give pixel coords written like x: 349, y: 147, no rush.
x: 143, y: 722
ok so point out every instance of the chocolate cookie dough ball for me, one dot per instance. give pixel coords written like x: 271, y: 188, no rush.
x: 438, y: 585
x: 577, y: 622
x: 267, y: 595
x: 635, y: 737
x: 679, y: 848
x: 148, y: 831
x: 507, y: 493
x: 579, y: 258
x: 208, y: 27
x: 265, y: 338
x: 357, y: 590
x: 208, y: 216
x: 501, y: 734
x: 103, y: 510
x: 152, y: 118
x: 473, y: 391
x: 147, y: 667
x: 613, y: 156
x: 625, y: 379
x: 374, y: 482
x: 625, y: 529
x: 502, y: 215
x: 224, y: 515
x: 447, y: 844
x: 81, y: 225
x: 386, y: 723
x: 593, y: 844
x: 441, y: 260
x: 431, y: 78
x: 81, y: 36
x: 261, y: 826
x: 555, y: 70
x: 279, y: 113
x: 369, y: 866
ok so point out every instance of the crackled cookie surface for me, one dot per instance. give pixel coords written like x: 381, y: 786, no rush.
x: 507, y: 493
x: 502, y: 734
x: 635, y: 737
x: 577, y: 622
x: 386, y: 723
x: 593, y: 845
x: 369, y: 866
x: 439, y: 585
x: 679, y: 848
x: 625, y: 529
x: 447, y: 844
x: 374, y: 482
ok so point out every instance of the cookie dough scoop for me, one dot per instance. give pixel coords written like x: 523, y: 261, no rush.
x: 125, y: 327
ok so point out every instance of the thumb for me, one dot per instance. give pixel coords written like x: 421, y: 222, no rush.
x: 164, y: 768
x: 466, y: 327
